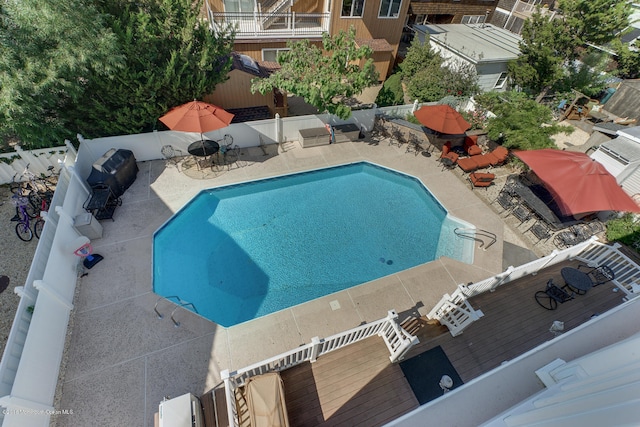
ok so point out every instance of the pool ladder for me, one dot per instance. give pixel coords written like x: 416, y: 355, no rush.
x: 180, y: 303
x: 473, y: 233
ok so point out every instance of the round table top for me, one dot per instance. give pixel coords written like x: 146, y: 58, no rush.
x: 203, y: 148
x: 576, y: 279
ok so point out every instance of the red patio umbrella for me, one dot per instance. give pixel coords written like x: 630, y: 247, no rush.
x: 578, y: 183
x: 197, y: 116
x: 442, y: 118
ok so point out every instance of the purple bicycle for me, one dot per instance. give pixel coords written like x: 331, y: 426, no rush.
x: 23, y: 227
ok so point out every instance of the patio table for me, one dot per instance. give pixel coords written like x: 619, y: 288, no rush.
x: 578, y: 281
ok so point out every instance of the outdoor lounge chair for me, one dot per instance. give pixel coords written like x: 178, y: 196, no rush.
x: 479, y: 179
x: 552, y: 295
x: 498, y: 156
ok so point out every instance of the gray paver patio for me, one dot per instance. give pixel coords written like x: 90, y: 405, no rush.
x: 121, y: 360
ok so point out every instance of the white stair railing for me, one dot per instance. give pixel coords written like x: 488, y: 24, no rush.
x: 398, y: 342
x: 455, y: 312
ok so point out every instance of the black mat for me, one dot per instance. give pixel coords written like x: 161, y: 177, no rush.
x: 424, y: 371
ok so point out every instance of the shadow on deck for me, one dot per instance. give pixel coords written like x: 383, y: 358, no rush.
x: 358, y: 385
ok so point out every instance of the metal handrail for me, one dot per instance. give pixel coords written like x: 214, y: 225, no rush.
x: 182, y: 305
x: 155, y: 308
x: 462, y: 232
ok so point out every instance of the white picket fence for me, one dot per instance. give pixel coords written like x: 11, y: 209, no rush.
x: 13, y: 165
x: 456, y: 313
x: 398, y: 342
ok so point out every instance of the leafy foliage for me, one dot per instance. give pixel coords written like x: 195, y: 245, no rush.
x: 595, y: 21
x: 391, y: 92
x: 429, y: 78
x: 586, y: 76
x: 625, y: 229
x: 545, y: 47
x: 323, y: 80
x: 520, y: 122
x: 628, y: 61
x: 170, y: 58
x: 48, y: 50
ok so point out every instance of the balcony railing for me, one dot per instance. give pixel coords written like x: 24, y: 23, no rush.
x: 398, y: 342
x: 272, y: 25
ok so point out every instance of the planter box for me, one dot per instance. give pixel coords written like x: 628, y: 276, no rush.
x: 314, y: 136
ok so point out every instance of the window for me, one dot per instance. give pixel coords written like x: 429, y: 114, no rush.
x: 501, y: 81
x: 389, y: 8
x: 271, y: 54
x: 473, y: 19
x: 231, y: 6
x: 352, y: 8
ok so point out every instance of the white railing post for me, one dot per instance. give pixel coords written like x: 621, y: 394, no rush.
x: 315, y: 349
x: 549, y: 258
x: 229, y: 392
x: 500, y: 279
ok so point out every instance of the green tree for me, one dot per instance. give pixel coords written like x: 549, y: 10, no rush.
x: 48, y: 50
x: 545, y: 47
x: 171, y: 57
x: 586, y: 76
x: 519, y: 122
x: 391, y: 92
x: 628, y: 60
x: 429, y: 78
x: 595, y: 21
x: 324, y: 80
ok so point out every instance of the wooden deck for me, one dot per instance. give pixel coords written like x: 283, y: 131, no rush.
x: 358, y: 385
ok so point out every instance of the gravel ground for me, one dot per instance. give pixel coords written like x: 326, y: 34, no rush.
x: 15, y: 261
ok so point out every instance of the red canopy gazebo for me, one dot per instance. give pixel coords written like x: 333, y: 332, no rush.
x: 578, y: 183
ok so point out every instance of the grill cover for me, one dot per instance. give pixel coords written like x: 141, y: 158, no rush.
x: 116, y: 169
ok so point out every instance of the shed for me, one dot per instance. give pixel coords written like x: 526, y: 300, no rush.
x: 235, y: 92
x: 625, y: 103
x: 621, y: 157
x: 485, y: 46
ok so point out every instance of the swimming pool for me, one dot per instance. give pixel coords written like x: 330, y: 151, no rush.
x: 243, y: 251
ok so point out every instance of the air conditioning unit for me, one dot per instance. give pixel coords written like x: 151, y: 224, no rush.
x: 182, y: 411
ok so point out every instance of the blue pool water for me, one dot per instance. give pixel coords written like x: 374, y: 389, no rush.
x: 243, y: 251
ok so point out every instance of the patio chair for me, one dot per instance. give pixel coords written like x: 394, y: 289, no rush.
x: 448, y: 158
x: 540, y: 230
x: 414, y: 144
x: 397, y: 137
x: 172, y: 155
x: 471, y: 146
x: 552, y: 295
x: 565, y: 238
x: 522, y: 213
x: 599, y: 275
x: 506, y: 200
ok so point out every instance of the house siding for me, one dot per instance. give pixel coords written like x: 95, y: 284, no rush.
x: 456, y: 9
x: 235, y: 93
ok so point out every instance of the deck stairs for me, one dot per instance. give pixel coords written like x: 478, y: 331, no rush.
x: 271, y: 11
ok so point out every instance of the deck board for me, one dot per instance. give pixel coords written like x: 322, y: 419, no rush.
x: 358, y: 385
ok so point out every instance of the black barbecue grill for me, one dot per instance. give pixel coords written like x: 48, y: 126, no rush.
x: 111, y: 175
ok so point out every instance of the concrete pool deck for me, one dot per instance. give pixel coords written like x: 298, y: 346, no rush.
x: 121, y: 360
